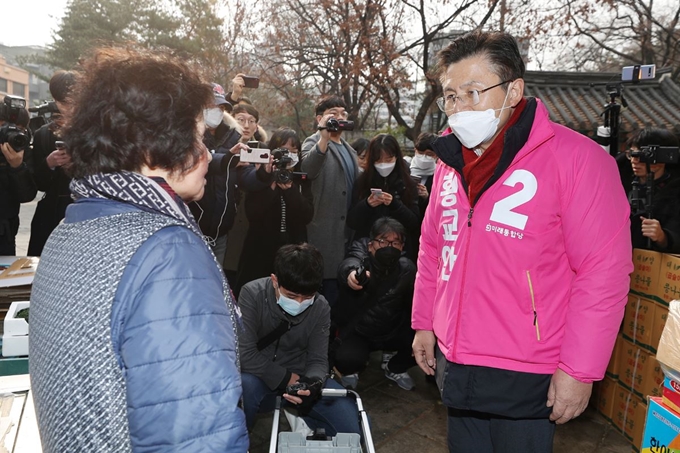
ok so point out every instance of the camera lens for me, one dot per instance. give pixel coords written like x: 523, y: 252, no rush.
x: 18, y: 141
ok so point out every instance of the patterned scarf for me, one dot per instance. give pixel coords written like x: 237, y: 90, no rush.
x: 148, y: 194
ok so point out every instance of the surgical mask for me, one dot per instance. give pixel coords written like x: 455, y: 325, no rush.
x: 293, y: 307
x: 212, y: 117
x: 294, y: 159
x: 423, y: 162
x: 384, y: 169
x: 473, y: 127
x: 387, y: 256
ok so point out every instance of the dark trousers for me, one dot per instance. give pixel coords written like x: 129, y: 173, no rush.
x: 352, y: 353
x: 484, y: 433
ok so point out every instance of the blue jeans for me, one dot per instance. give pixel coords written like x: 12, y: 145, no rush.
x: 334, y: 414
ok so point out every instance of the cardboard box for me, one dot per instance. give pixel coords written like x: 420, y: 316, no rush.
x: 633, y: 363
x: 638, y: 322
x: 660, y: 316
x: 613, y: 367
x: 652, y: 380
x: 669, y: 279
x: 644, y: 280
x: 628, y: 415
x: 606, y: 391
x: 662, y: 429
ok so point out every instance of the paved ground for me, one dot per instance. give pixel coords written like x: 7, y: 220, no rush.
x: 415, y: 421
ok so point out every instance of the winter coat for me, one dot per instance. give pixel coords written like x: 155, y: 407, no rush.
x: 327, y: 230
x: 264, y: 211
x: 55, y: 185
x: 182, y: 383
x: 302, y: 349
x: 361, y: 215
x: 16, y: 187
x: 216, y: 211
x: 665, y: 209
x: 535, y: 277
x: 383, y: 307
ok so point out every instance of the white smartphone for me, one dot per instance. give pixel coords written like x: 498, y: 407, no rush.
x: 376, y: 192
x: 646, y: 72
x: 255, y: 155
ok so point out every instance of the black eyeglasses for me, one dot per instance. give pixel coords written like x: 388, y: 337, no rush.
x: 383, y: 243
x: 469, y: 98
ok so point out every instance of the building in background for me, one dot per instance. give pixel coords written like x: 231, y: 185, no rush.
x: 13, y: 80
x: 20, y: 58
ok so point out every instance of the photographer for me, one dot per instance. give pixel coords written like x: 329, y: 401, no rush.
x: 374, y: 311
x: 49, y: 164
x: 278, y: 215
x: 16, y: 182
x: 385, y: 189
x: 284, y: 341
x: 216, y: 211
x: 664, y: 228
x: 331, y: 164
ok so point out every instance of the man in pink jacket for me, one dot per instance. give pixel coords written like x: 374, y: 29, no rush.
x: 524, y: 260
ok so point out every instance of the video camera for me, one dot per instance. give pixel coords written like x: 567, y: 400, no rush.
x: 10, y: 132
x: 45, y: 113
x: 280, y: 164
x: 335, y: 125
x: 654, y: 154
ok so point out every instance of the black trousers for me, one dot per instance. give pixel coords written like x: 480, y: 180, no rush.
x: 352, y: 354
x: 485, y: 433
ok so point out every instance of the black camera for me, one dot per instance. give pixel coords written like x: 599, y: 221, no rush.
x: 654, y: 154
x: 281, y: 161
x: 293, y: 389
x: 10, y: 132
x: 335, y: 125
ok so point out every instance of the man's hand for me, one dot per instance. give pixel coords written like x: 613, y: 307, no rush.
x: 567, y: 397
x: 237, y: 148
x: 14, y: 158
x: 325, y: 135
x: 352, y: 281
x: 237, y: 85
x: 651, y: 228
x: 58, y: 158
x: 423, y: 351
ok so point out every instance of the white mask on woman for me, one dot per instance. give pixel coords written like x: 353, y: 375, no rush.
x: 212, y: 117
x: 384, y: 169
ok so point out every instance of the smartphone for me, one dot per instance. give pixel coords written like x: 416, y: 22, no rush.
x: 417, y: 179
x: 255, y: 155
x: 637, y: 73
x: 59, y: 145
x: 376, y: 192
x: 251, y: 81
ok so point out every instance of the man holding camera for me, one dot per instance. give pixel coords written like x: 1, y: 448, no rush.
x: 524, y: 259
x: 216, y: 211
x: 284, y: 342
x: 49, y: 163
x: 331, y: 165
x: 16, y: 182
x: 374, y: 308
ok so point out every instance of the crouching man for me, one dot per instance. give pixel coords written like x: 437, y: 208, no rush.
x: 284, y: 341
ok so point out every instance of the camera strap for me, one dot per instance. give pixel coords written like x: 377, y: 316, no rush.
x: 274, y: 335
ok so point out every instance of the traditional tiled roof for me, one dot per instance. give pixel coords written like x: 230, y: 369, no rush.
x: 573, y: 102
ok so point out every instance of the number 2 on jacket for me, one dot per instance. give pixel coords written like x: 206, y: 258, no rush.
x: 503, y: 209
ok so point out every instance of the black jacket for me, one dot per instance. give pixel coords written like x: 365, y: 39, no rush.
x: 361, y: 215
x: 54, y: 183
x: 264, y: 212
x: 665, y: 209
x: 216, y: 211
x: 16, y: 187
x: 383, y: 307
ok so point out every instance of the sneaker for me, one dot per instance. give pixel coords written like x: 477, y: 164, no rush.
x: 350, y: 381
x: 403, y: 380
x: 387, y: 356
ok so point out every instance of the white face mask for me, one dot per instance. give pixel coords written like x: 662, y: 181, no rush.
x: 384, y: 169
x: 473, y: 127
x: 294, y: 159
x: 212, y: 117
x: 423, y: 162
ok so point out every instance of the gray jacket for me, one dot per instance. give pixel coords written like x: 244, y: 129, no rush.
x: 328, y: 231
x: 303, y: 349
